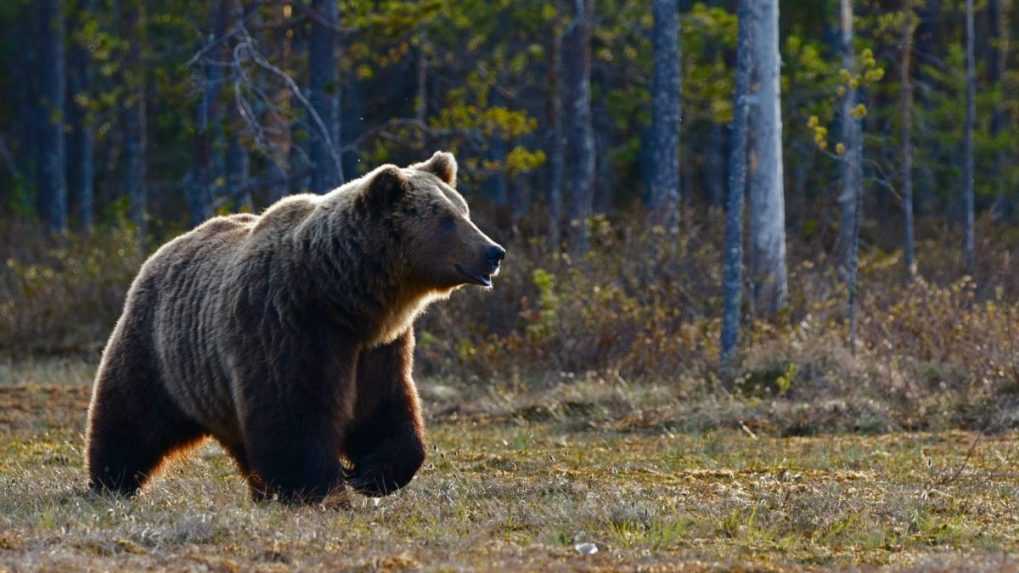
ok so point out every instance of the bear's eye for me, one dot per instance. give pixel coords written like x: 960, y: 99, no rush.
x: 447, y: 222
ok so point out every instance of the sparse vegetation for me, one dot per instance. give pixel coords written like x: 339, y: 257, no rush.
x: 517, y: 480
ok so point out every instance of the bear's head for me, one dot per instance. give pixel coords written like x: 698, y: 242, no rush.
x: 442, y: 248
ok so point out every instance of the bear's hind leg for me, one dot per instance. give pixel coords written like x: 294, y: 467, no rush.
x: 132, y: 428
x: 256, y: 486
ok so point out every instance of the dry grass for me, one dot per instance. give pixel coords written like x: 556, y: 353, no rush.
x: 517, y: 478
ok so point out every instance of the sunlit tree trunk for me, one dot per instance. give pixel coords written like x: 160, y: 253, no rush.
x: 851, y: 166
x: 52, y: 172
x: 327, y: 169
x: 967, y: 167
x: 733, y: 263
x: 851, y: 198
x: 767, y: 191
x: 582, y: 132
x: 665, y: 118
x: 906, y: 87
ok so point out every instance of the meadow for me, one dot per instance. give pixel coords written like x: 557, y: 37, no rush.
x: 522, y: 479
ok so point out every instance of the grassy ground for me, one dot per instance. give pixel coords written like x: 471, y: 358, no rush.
x: 518, y: 480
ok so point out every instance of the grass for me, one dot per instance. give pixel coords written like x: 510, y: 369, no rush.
x: 516, y: 480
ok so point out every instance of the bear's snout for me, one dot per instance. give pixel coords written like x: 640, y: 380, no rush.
x: 494, y: 256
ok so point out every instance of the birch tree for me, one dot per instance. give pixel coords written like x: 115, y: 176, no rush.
x: 582, y: 132
x: 665, y: 116
x: 767, y: 197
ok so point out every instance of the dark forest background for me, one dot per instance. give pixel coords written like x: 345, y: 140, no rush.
x: 817, y: 200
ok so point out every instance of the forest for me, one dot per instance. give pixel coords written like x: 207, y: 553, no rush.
x: 760, y: 305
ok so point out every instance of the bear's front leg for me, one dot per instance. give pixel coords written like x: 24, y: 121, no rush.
x: 385, y: 444
x: 385, y: 459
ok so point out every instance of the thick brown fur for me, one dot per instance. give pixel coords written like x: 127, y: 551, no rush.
x: 288, y: 338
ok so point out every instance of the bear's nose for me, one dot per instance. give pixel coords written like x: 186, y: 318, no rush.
x: 496, y: 254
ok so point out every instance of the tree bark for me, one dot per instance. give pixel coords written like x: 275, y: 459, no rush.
x: 133, y: 112
x: 207, y: 119
x: 851, y: 199
x: 968, y: 201
x: 767, y: 196
x: 52, y: 172
x: 556, y: 140
x: 733, y: 282
x: 582, y: 132
x: 327, y: 172
x: 906, y: 83
x: 278, y: 118
x: 665, y: 116
x: 1000, y: 10
x: 714, y: 166
x: 852, y: 174
x: 82, y: 158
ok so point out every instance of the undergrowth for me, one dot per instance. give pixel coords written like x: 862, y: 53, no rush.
x: 940, y: 350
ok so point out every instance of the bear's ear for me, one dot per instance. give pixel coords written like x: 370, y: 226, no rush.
x: 386, y: 187
x: 442, y: 165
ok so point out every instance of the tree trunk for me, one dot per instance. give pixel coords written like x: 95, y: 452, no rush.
x: 82, y: 159
x: 556, y: 140
x: 714, y: 166
x: 278, y: 118
x: 733, y: 281
x: 665, y: 118
x: 967, y: 168
x: 327, y: 170
x: 906, y: 82
x: 582, y: 132
x: 767, y: 196
x: 52, y: 172
x: 852, y: 174
x: 207, y: 119
x: 1000, y: 10
x: 851, y: 199
x: 133, y: 112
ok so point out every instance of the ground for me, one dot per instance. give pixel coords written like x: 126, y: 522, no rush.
x: 523, y: 486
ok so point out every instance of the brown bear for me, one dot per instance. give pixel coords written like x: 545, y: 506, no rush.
x: 288, y: 338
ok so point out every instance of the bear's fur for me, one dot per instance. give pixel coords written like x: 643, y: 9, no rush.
x: 288, y: 338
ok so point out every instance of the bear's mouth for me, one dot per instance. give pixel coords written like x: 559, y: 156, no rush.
x: 485, y: 281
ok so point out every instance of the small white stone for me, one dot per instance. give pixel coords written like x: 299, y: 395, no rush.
x: 586, y: 548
